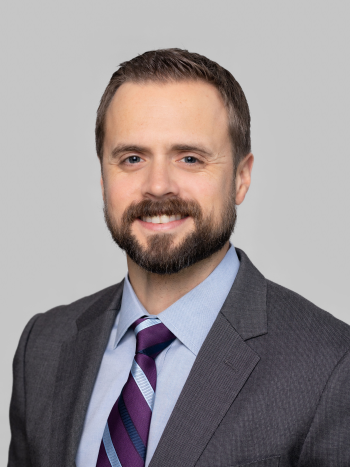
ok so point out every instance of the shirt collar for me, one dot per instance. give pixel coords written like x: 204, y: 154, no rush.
x: 197, y: 309
x: 131, y: 309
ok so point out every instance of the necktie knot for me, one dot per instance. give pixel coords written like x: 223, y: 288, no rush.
x: 152, y: 336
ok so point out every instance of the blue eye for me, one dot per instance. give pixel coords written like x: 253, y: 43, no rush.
x: 133, y: 159
x: 190, y: 159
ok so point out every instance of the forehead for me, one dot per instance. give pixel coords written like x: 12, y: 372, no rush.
x: 153, y: 108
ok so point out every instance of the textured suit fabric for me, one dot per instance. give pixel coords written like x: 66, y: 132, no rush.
x: 270, y: 386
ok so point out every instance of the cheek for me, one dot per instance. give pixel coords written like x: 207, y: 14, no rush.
x: 120, y: 192
x: 208, y: 190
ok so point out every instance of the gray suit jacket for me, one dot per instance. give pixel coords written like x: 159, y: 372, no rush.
x: 270, y: 386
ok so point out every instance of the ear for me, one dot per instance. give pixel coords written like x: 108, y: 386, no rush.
x: 243, y: 177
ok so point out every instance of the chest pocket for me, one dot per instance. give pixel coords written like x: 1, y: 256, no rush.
x: 267, y: 462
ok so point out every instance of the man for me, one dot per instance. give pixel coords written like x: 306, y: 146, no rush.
x: 195, y: 359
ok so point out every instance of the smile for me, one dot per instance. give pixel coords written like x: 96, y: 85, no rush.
x: 162, y: 219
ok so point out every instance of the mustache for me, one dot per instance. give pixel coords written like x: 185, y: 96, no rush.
x: 167, y: 207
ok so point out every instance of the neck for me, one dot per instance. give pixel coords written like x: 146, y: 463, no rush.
x: 157, y: 292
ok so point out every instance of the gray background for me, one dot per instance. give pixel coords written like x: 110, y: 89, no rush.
x: 292, y: 60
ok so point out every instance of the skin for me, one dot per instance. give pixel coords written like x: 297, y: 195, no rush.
x: 159, y: 123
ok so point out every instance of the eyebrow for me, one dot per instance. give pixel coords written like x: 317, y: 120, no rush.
x: 189, y: 148
x: 123, y: 148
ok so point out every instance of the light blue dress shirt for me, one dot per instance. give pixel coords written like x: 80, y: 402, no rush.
x: 190, y: 319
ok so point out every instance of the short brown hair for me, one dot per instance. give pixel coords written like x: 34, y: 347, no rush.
x: 178, y: 65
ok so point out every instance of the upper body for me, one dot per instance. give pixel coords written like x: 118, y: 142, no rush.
x: 271, y: 381
x: 268, y: 383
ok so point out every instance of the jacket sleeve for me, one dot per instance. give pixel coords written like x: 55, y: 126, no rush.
x: 328, y: 440
x: 19, y: 449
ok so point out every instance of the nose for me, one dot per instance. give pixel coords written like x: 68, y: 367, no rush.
x: 160, y: 180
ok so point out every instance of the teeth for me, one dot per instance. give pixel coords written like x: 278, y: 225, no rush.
x: 164, y: 219
x: 161, y: 219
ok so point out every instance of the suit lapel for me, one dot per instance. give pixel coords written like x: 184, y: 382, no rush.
x: 80, y: 359
x: 220, y: 371
x: 222, y: 367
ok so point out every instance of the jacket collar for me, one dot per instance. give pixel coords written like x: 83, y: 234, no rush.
x: 245, y: 306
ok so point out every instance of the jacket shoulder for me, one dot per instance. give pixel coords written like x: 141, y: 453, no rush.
x: 60, y: 320
x: 291, y: 313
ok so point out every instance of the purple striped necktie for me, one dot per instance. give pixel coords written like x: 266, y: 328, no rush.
x: 125, y: 437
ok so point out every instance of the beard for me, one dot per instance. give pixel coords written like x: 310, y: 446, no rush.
x: 161, y: 255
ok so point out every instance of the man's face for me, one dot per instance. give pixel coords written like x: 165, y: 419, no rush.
x: 168, y: 175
